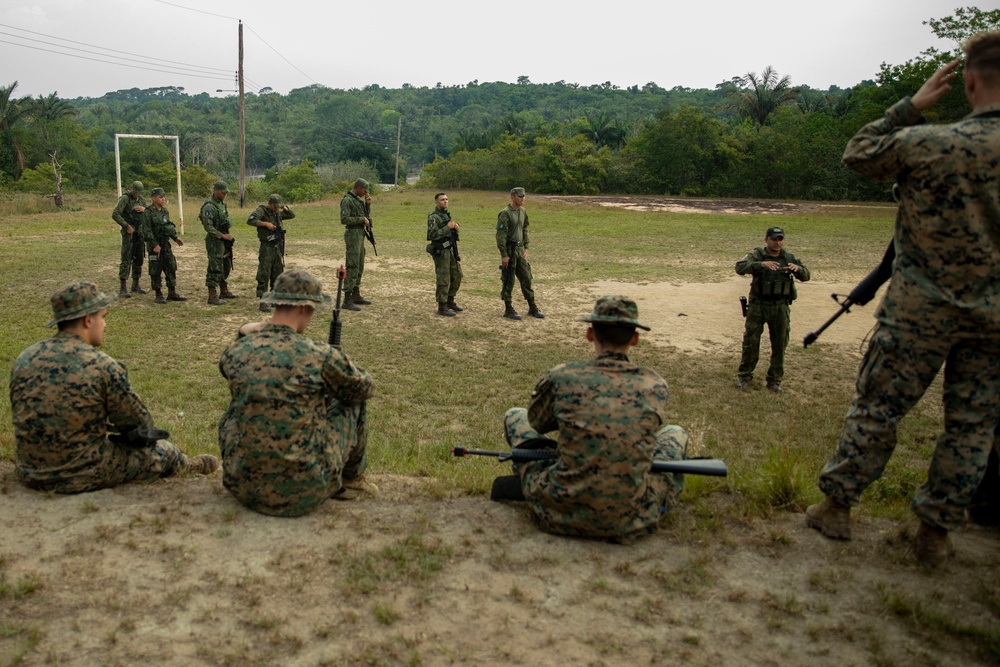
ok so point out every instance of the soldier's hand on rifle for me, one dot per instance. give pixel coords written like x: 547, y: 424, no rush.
x: 269, y: 225
x: 504, y: 262
x: 368, y: 223
x: 770, y: 265
x: 156, y: 248
x: 794, y: 268
x: 227, y: 237
x: 129, y: 229
x: 452, y: 224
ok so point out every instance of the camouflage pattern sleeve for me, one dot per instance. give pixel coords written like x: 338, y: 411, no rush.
x: 146, y: 229
x: 287, y: 214
x: 352, y: 211
x: 255, y: 218
x: 118, y: 215
x: 748, y: 264
x: 345, y: 381
x: 503, y: 231
x: 524, y: 231
x: 803, y: 272
x: 208, y: 216
x: 125, y: 409
x: 541, y: 410
x: 872, y: 151
x: 437, y: 226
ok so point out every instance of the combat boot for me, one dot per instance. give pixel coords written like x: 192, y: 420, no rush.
x: 353, y: 488
x: 159, y: 297
x: 213, y: 298
x: 203, y: 464
x: 509, y: 312
x: 931, y: 545
x: 172, y: 295
x: 830, y: 518
x: 224, y: 292
x: 350, y: 305
x: 357, y: 298
x: 264, y: 308
x: 454, y: 306
x: 135, y: 287
x: 534, y: 312
x: 444, y: 311
x: 123, y: 291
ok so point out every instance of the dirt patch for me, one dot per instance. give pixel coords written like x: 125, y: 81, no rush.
x: 177, y: 573
x: 713, y: 206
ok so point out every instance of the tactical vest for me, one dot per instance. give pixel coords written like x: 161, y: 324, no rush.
x: 221, y: 221
x: 773, y: 285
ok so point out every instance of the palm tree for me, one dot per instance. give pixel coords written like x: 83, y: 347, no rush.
x: 46, y: 110
x: 11, y: 111
x: 759, y: 97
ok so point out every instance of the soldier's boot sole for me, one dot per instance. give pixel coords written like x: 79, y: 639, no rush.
x: 830, y: 518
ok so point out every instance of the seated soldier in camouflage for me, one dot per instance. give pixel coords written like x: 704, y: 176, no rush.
x: 610, y: 416
x: 64, y: 396
x: 295, y: 431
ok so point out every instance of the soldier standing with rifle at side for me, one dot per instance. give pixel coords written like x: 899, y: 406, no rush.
x: 128, y: 215
x: 512, y: 241
x: 214, y: 218
x: 271, y: 257
x: 157, y: 231
x: 442, y: 232
x: 355, y: 215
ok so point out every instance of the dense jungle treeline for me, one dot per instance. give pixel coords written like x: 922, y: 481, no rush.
x: 756, y: 135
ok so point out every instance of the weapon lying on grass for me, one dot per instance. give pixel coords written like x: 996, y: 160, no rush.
x: 370, y: 230
x: 508, y: 487
x: 139, y: 437
x: 335, y: 323
x: 860, y: 295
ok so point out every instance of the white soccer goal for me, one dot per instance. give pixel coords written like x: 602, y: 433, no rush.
x: 177, y: 162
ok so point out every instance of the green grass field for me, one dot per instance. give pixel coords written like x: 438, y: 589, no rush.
x: 444, y: 382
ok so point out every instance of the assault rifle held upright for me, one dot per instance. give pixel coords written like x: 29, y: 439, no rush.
x: 335, y: 323
x: 369, y: 230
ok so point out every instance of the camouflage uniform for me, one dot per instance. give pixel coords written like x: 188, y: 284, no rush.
x: 512, y: 241
x: 352, y: 215
x: 601, y: 485
x: 295, y: 429
x: 64, y: 393
x: 158, y: 230
x: 940, y: 308
x: 132, y: 254
x: 771, y: 296
x: 271, y: 256
x: 214, y: 218
x: 447, y: 268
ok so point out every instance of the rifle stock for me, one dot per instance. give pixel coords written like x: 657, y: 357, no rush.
x: 335, y: 323
x: 709, y: 467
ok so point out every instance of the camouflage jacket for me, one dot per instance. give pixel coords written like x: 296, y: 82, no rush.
x: 946, y: 277
x: 263, y: 214
x: 768, y: 285
x: 276, y: 437
x: 64, y: 393
x: 512, y: 226
x: 352, y: 211
x: 607, y: 412
x: 157, y: 229
x: 214, y: 218
x: 123, y: 213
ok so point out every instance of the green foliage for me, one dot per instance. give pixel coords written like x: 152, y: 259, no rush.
x: 300, y: 183
x: 162, y: 175
x: 38, y: 180
x: 197, y: 181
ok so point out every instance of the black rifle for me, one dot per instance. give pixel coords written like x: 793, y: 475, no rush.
x: 508, y: 271
x: 229, y: 248
x: 454, y: 245
x: 508, y: 487
x: 139, y: 437
x: 743, y: 305
x: 860, y: 295
x: 369, y: 230
x: 335, y: 323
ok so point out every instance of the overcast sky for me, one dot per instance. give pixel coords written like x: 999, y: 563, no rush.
x: 297, y: 43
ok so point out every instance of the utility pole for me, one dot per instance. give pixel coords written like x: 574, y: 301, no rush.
x: 243, y: 127
x: 399, y: 133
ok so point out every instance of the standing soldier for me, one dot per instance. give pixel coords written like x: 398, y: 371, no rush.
x: 772, y: 291
x: 442, y: 232
x: 128, y: 215
x: 214, y: 218
x: 157, y: 231
x: 354, y: 215
x: 512, y: 241
x: 271, y: 257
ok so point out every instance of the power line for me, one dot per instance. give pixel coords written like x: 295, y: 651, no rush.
x: 279, y: 55
x: 200, y: 11
x: 110, y: 62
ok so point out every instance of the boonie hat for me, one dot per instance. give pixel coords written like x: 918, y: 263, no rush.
x: 517, y: 191
x: 296, y: 288
x: 618, y: 310
x: 156, y: 192
x: 221, y: 185
x: 361, y: 183
x: 774, y: 232
x: 136, y: 186
x: 76, y: 300
x: 275, y: 199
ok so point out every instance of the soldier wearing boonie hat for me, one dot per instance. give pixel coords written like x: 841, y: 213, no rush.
x: 772, y: 291
x: 310, y: 441
x: 601, y: 486
x: 65, y: 393
x: 267, y: 219
x: 128, y: 214
x: 512, y: 241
